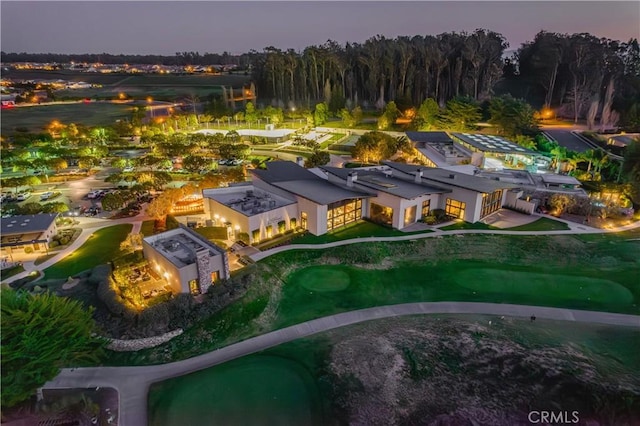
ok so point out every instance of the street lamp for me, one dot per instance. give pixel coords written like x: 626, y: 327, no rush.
x: 149, y: 101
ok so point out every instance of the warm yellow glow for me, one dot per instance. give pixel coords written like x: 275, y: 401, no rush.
x: 546, y: 112
x: 237, y: 227
x: 149, y: 99
x: 122, y: 95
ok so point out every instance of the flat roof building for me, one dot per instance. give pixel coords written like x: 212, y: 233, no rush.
x: 489, y: 148
x: 188, y: 261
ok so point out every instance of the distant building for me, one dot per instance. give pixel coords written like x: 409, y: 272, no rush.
x: 188, y: 261
x: 28, y: 231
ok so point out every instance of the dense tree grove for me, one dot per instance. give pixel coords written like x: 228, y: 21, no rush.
x: 590, y: 77
x: 41, y: 334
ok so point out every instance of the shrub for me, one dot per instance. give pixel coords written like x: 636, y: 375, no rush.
x: 439, y: 214
x: 292, y: 223
x: 281, y: 226
x: 53, y: 244
x: 64, y: 241
x: 171, y: 222
x: 429, y: 220
x: 244, y: 237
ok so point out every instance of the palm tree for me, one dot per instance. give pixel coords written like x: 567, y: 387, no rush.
x: 559, y: 154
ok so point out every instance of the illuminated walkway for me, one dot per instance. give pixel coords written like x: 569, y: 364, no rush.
x: 133, y: 383
x: 574, y: 229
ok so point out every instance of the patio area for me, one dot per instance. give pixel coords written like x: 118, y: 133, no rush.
x: 504, y: 218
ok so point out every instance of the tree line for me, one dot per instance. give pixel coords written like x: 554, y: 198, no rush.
x: 591, y: 77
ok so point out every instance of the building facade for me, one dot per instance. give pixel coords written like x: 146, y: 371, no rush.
x: 189, y: 262
x: 21, y: 234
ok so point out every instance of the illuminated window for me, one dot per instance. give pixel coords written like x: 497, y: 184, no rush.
x: 410, y: 215
x: 381, y: 214
x: 455, y: 208
x: 269, y: 231
x: 255, y: 235
x: 491, y: 203
x: 343, y: 213
x: 303, y: 220
x: 215, y: 276
x: 193, y: 287
x: 426, y: 205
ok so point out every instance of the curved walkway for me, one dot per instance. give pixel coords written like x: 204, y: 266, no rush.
x: 133, y: 383
x: 87, y: 230
x: 435, y: 232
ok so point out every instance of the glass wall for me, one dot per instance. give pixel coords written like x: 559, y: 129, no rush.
x: 491, y: 203
x: 381, y: 214
x: 455, y: 208
x: 343, y: 212
x: 410, y: 215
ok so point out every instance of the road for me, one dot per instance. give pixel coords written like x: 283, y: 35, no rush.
x: 133, y: 383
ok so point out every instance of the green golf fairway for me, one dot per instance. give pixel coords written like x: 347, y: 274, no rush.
x: 254, y: 390
x: 317, y: 279
x: 554, y: 286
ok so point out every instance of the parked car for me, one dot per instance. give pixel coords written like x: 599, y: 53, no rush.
x: 45, y: 196
x: 23, y: 196
x: 92, y: 211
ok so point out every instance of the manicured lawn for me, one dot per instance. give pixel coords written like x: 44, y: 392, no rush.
x: 212, y: 232
x: 356, y: 230
x: 147, y: 228
x: 102, y: 247
x: 542, y: 224
x: 459, y: 281
x: 467, y: 225
x: 9, y: 272
x: 254, y: 390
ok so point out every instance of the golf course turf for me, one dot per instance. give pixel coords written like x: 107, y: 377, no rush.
x: 254, y: 390
x: 445, y: 359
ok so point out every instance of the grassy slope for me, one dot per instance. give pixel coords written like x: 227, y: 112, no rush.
x: 428, y: 272
x: 356, y: 230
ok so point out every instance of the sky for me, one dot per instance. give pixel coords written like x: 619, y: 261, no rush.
x: 151, y: 27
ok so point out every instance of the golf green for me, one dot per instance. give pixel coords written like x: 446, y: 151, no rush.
x: 555, y: 286
x: 318, y: 278
x: 254, y: 390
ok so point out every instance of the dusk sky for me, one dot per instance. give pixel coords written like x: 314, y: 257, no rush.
x: 168, y: 27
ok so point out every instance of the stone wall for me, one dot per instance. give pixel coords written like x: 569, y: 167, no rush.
x: 132, y: 345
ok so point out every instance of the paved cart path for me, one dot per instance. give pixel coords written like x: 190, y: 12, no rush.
x: 133, y: 383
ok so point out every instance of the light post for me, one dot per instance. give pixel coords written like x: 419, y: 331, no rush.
x: 149, y: 101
